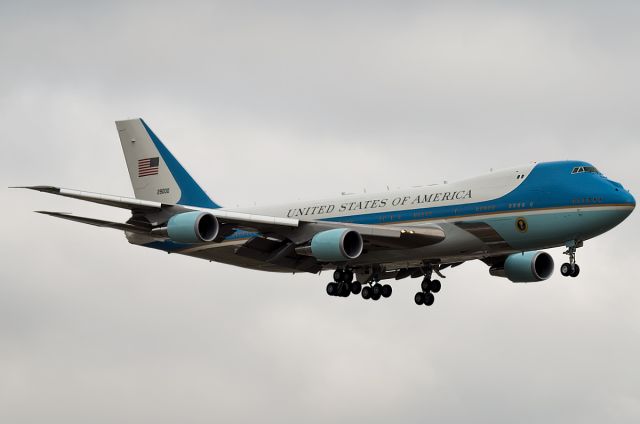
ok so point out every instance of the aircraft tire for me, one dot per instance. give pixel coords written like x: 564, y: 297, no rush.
x: 332, y: 289
x: 356, y: 287
x: 347, y: 276
x: 435, y: 286
x: 429, y: 298
x: 376, y: 291
x: 575, y: 271
x: 366, y: 292
x: 425, y: 285
x: 565, y: 269
x: 386, y: 290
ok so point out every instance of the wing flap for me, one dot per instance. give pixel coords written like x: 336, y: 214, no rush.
x: 251, y: 221
x: 408, y: 238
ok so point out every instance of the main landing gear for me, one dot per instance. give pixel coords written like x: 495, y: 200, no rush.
x: 429, y: 288
x: 571, y: 269
x: 344, y: 286
x: 376, y: 290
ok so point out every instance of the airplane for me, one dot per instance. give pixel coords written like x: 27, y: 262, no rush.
x: 504, y: 218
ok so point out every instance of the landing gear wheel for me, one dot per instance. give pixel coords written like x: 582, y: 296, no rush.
x: 429, y: 299
x: 356, y: 287
x: 565, y: 269
x: 338, y: 275
x: 435, y: 286
x: 347, y: 275
x: 343, y: 290
x: 430, y: 286
x: 386, y: 290
x: 575, y: 271
x: 366, y: 292
x: 425, y: 285
x: 347, y: 289
x: 332, y: 289
x: 376, y: 291
x: 419, y: 298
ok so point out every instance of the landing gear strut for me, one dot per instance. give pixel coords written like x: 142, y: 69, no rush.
x: 571, y: 268
x: 429, y: 287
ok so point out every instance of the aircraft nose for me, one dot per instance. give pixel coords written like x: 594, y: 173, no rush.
x: 626, y: 198
x: 630, y: 200
x: 621, y: 195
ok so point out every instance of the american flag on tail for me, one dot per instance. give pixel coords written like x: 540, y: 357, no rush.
x: 148, y: 166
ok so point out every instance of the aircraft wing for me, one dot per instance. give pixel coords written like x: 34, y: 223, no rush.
x: 298, y: 231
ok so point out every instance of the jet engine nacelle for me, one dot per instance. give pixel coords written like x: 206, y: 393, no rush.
x: 525, y: 267
x: 337, y: 245
x: 191, y: 227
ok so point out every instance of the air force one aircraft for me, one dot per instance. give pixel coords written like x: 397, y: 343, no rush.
x: 502, y: 218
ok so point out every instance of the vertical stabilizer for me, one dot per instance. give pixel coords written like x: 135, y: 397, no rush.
x: 155, y: 173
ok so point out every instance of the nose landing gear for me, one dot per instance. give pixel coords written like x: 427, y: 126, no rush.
x: 571, y: 268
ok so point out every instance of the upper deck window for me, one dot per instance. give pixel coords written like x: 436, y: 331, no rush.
x: 581, y: 169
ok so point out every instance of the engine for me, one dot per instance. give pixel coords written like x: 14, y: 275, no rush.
x: 337, y: 245
x: 525, y: 267
x: 191, y: 227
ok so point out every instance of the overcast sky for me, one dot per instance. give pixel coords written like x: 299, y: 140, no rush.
x: 273, y: 102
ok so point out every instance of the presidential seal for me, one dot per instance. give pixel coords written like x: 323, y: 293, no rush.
x: 521, y: 225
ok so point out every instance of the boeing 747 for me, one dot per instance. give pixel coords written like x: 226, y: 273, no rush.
x: 503, y: 218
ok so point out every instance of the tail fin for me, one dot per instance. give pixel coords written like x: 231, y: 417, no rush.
x: 155, y: 174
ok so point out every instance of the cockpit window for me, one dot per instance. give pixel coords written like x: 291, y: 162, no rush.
x: 581, y: 169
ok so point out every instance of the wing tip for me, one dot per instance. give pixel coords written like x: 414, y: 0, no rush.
x: 43, y: 188
x: 50, y: 213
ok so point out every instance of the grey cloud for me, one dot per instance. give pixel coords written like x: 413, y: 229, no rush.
x: 289, y: 100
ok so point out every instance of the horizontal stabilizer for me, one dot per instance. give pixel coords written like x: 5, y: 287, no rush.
x: 104, y: 199
x: 98, y: 222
